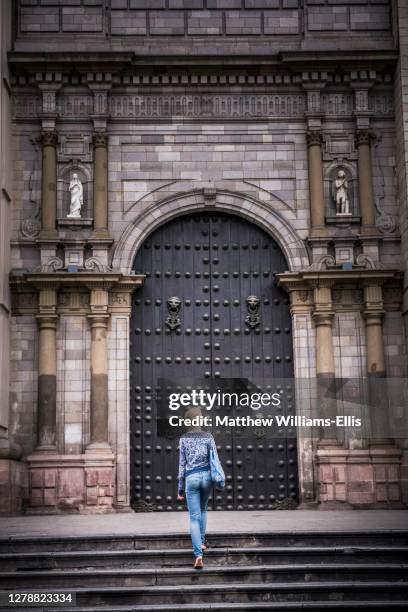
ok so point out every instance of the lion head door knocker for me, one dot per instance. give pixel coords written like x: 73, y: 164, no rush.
x: 173, y: 320
x: 253, y: 318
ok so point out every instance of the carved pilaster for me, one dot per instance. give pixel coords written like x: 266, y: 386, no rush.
x: 373, y: 316
x: 49, y: 141
x: 100, y: 191
x: 363, y: 139
x: 47, y: 367
x: 316, y: 194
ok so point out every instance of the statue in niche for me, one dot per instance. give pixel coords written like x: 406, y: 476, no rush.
x: 340, y: 193
x: 77, y: 195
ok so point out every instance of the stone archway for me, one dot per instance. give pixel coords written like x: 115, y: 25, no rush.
x: 239, y: 204
x: 145, y: 223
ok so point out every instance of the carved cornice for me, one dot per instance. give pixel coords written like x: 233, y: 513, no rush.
x: 327, y: 298
x: 73, y: 293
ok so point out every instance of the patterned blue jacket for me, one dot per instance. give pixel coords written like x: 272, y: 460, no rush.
x: 194, y: 454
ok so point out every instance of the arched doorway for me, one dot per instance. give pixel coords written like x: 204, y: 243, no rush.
x: 212, y: 262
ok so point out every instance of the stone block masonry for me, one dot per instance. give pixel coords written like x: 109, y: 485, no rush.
x: 184, y: 19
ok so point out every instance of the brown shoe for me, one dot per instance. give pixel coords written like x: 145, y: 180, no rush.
x: 199, y: 563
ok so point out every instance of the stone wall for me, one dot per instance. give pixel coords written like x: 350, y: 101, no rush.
x: 401, y: 109
x: 6, y: 194
x: 184, y: 137
x: 239, y: 26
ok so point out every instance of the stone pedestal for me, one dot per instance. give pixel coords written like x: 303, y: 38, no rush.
x: 13, y: 486
x: 71, y: 483
x: 404, y: 476
x: 364, y: 478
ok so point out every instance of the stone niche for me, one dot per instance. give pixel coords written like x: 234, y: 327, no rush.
x: 65, y: 174
x: 330, y: 174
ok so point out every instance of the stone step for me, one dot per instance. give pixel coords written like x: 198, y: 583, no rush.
x: 314, y: 606
x: 209, y: 575
x: 214, y: 556
x: 153, y: 541
x: 349, y: 591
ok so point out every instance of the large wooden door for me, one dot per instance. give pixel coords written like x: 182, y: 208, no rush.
x: 212, y: 263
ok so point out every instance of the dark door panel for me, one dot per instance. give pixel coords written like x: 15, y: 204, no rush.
x: 212, y: 263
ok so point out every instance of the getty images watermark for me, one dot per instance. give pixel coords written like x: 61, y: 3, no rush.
x: 262, y: 401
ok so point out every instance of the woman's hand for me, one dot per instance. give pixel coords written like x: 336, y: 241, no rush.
x: 180, y: 498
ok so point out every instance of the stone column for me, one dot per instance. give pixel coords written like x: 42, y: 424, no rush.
x: 49, y: 184
x: 365, y: 182
x: 47, y: 369
x: 99, y: 367
x: 100, y: 190
x: 317, y: 220
x: 99, y: 381
x: 325, y: 370
x: 377, y: 393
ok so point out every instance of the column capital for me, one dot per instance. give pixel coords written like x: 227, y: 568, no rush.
x: 364, y: 136
x: 373, y: 317
x: 100, y: 139
x: 47, y: 321
x: 49, y: 138
x: 98, y: 320
x: 313, y: 138
x: 323, y: 319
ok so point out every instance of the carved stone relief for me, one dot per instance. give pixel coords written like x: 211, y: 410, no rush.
x: 74, y: 146
x: 31, y: 226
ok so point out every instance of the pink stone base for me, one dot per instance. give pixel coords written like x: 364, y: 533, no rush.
x: 13, y: 486
x: 404, y: 476
x: 366, y: 478
x: 71, y: 483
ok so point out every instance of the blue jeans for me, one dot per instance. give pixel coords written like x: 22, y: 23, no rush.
x: 198, y: 490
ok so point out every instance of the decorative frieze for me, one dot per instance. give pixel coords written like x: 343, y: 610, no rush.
x: 141, y: 105
x: 206, y: 105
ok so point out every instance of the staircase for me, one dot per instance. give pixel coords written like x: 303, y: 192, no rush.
x: 274, y: 571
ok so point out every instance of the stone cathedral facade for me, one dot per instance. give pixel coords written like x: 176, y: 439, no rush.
x: 247, y: 157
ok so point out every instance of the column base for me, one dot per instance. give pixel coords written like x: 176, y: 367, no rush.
x: 79, y: 484
x: 45, y: 448
x: 13, y: 486
x: 362, y: 478
x: 98, y: 447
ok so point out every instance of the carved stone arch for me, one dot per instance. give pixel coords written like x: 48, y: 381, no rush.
x: 65, y: 172
x: 330, y: 171
x: 240, y: 204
